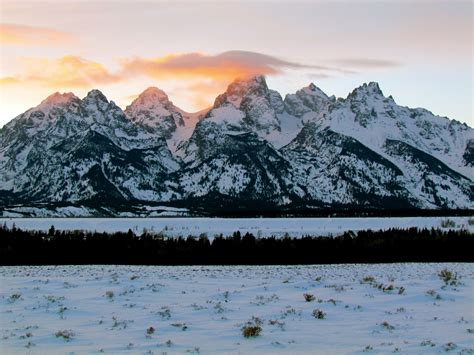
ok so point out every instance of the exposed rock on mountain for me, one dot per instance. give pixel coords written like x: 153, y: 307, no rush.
x: 250, y: 150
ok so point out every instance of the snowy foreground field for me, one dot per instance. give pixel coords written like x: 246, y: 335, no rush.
x: 258, y: 226
x: 386, y: 308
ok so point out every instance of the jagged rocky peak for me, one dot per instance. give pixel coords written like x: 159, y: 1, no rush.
x: 253, y: 85
x: 47, y: 113
x: 96, y: 100
x: 313, y: 90
x: 241, y: 88
x: 310, y: 150
x: 54, y: 102
x: 247, y: 105
x: 153, y: 110
x: 151, y: 98
x: 367, y: 89
x: 96, y: 95
x: 60, y: 99
x: 308, y: 99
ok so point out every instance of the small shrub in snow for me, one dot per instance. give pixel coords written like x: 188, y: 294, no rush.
x: 165, y: 313
x: 427, y: 343
x: 54, y: 299
x: 470, y: 221
x: 433, y: 294
x: 277, y: 323
x: 183, y: 326
x: 65, y: 334
x: 290, y: 311
x: 27, y: 335
x: 318, y: 314
x: 331, y: 300
x: 387, y: 326
x: 226, y: 296
x: 150, y: 331
x: 219, y: 308
x: 195, y: 350
x: 448, y: 277
x: 368, y: 280
x: 252, y: 328
x: 337, y: 288
x: 119, y: 324
x: 109, y: 294
x: 448, y: 223
x: 250, y: 331
x: 449, y: 346
x: 61, y: 311
x: 309, y: 297
x: 15, y: 297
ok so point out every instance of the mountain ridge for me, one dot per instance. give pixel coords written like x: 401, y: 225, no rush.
x: 307, y: 149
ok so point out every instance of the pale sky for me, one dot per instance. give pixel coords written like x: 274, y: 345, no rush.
x: 420, y: 51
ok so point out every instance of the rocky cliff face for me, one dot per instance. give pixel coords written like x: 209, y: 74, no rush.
x: 67, y: 149
x: 252, y: 148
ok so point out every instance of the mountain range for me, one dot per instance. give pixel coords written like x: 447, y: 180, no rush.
x: 252, y: 150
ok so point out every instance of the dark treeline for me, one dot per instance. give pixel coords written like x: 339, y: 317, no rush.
x: 224, y: 207
x: 19, y: 247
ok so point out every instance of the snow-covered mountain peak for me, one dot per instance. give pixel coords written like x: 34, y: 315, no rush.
x: 309, y: 149
x: 307, y: 102
x: 153, y: 111
x: 151, y: 97
x: 95, y: 102
x: 152, y: 102
x: 96, y: 95
x: 313, y: 90
x: 371, y: 89
x: 59, y: 99
x: 248, y: 105
x: 241, y: 88
x: 256, y: 85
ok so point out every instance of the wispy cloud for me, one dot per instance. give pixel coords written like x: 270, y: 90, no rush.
x: 13, y: 34
x: 226, y: 66
x: 207, y: 75
x: 365, y: 63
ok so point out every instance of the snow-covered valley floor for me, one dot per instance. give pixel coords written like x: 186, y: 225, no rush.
x: 295, y: 227
x: 378, y: 308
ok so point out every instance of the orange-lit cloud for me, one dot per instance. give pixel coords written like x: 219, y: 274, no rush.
x: 226, y: 66
x: 9, y: 80
x: 196, y: 78
x: 32, y: 36
x: 203, y: 93
x: 63, y: 73
x: 208, y: 75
